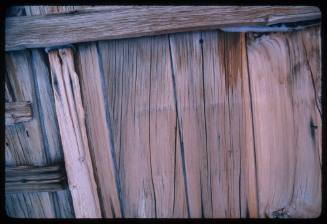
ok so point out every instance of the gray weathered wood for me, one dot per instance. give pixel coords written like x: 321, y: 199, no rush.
x: 35, y: 179
x: 126, y: 21
x: 17, y: 112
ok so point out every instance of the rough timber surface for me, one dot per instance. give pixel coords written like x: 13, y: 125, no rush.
x: 197, y: 124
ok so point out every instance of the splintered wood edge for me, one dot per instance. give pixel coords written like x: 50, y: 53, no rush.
x: 35, y: 179
x: 17, y: 112
x: 114, y: 22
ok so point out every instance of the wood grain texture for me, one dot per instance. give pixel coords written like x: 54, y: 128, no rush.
x: 18, y: 112
x: 35, y: 179
x: 285, y: 79
x: 71, y: 120
x: 126, y: 21
x: 99, y: 129
x: 25, y: 141
x: 175, y: 101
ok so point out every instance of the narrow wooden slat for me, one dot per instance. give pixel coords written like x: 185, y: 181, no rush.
x: 99, y: 129
x: 35, y: 179
x: 285, y: 78
x: 122, y: 22
x: 17, y: 112
x: 70, y: 115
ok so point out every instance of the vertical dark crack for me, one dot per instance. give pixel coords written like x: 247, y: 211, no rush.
x: 152, y: 182
x: 205, y: 119
x: 253, y: 131
x: 179, y: 130
x: 175, y: 153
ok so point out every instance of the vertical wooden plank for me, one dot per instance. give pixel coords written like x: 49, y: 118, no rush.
x: 71, y: 120
x: 284, y: 72
x: 228, y: 121
x: 98, y: 129
x: 188, y: 78
x: 132, y: 58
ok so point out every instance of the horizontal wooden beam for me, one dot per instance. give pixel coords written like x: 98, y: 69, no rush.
x: 18, y: 112
x: 126, y: 21
x: 35, y: 179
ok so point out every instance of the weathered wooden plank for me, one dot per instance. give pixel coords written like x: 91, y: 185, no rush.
x: 71, y: 120
x: 99, y: 129
x: 285, y: 77
x: 228, y: 124
x: 17, y: 112
x: 122, y: 22
x: 127, y: 63
x: 37, y: 179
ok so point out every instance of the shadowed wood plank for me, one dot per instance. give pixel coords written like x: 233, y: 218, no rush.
x: 285, y: 75
x: 126, y: 21
x: 25, y: 178
x: 17, y: 112
x: 45, y: 116
x: 98, y: 129
x: 70, y: 114
x: 24, y: 143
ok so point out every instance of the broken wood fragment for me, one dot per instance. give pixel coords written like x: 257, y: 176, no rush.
x: 17, y: 112
x: 35, y: 179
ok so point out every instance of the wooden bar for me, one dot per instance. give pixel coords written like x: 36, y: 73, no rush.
x: 35, y: 179
x: 17, y: 112
x: 125, y: 21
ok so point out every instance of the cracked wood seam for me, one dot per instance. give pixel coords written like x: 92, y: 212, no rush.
x: 17, y: 112
x: 126, y: 21
x: 71, y: 119
x: 35, y: 179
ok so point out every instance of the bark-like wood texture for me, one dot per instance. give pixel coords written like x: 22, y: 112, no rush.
x: 35, y: 179
x: 18, y: 112
x: 182, y: 125
x: 82, y: 24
